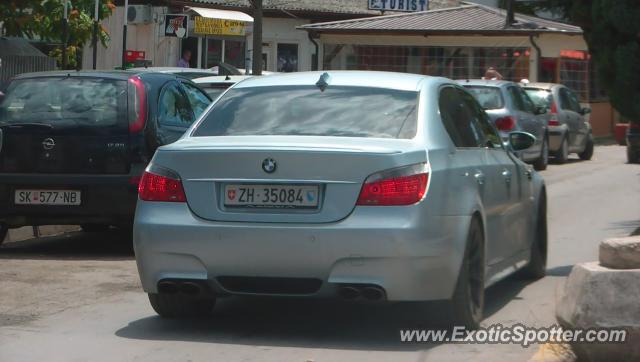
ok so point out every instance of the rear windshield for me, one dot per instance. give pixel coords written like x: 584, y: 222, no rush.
x: 60, y: 102
x: 541, y: 97
x: 488, y: 97
x: 306, y: 110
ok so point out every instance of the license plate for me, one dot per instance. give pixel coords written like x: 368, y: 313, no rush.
x: 271, y: 196
x: 47, y: 197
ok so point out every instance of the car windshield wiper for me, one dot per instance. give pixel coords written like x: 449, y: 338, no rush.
x: 26, y: 125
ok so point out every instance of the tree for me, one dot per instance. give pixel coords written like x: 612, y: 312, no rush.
x: 42, y: 20
x: 612, y: 32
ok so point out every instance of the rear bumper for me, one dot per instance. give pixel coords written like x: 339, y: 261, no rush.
x: 556, y: 135
x: 411, y: 259
x: 105, y: 199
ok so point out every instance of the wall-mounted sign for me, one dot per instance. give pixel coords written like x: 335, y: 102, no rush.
x: 575, y: 54
x: 176, y: 25
x: 399, y: 5
x: 208, y: 26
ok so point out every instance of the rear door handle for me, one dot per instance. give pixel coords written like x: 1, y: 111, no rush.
x: 479, y: 176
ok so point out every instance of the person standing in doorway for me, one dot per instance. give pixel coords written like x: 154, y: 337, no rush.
x: 184, y: 61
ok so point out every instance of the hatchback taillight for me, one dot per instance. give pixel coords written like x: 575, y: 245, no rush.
x: 506, y: 123
x: 402, y: 186
x: 154, y: 187
x: 137, y: 105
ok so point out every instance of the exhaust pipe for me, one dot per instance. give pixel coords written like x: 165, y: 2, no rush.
x: 167, y: 287
x: 349, y: 293
x: 190, y: 288
x: 373, y: 293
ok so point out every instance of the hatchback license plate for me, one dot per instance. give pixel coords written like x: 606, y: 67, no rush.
x: 47, y: 197
x: 271, y: 196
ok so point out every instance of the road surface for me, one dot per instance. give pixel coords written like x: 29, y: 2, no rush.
x: 76, y: 297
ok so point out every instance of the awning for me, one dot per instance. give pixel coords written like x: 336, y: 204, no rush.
x: 221, y: 14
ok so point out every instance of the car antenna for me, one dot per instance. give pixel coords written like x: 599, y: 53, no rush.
x: 323, y: 82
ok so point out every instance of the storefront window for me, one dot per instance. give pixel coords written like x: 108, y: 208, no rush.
x: 214, y: 52
x: 234, y: 53
x: 450, y: 62
x: 287, y: 57
x: 575, y: 75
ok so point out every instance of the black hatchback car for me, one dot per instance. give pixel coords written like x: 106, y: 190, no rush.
x: 73, y: 145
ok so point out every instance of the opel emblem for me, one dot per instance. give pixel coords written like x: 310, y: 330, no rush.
x: 269, y: 165
x: 48, y: 143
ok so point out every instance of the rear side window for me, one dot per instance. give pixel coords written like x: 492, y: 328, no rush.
x: 306, y: 110
x: 174, y: 109
x: 488, y: 97
x: 199, y: 101
x: 66, y: 102
x: 460, y: 119
x: 540, y: 97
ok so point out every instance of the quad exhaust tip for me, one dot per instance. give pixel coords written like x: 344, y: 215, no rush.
x: 352, y: 292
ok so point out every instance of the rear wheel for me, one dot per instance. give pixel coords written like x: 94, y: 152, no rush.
x: 467, y: 304
x: 588, y: 149
x: 537, y: 266
x: 562, y: 155
x: 4, y: 230
x: 542, y: 162
x: 94, y: 228
x: 633, y: 156
x: 180, y: 306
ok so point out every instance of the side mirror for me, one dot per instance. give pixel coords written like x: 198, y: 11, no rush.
x: 585, y: 111
x: 520, y: 141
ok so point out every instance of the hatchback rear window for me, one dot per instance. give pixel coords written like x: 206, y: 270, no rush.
x: 541, y: 97
x: 306, y: 110
x: 488, y: 97
x: 66, y: 102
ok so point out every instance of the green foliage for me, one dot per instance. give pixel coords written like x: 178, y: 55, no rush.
x: 42, y: 20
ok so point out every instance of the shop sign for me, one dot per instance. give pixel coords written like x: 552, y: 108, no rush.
x: 176, y: 25
x: 399, y: 5
x: 208, y: 26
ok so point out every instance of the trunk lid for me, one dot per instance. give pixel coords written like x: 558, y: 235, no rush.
x: 65, y: 125
x: 337, y: 165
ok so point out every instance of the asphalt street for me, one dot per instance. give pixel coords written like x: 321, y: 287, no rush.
x: 76, y: 296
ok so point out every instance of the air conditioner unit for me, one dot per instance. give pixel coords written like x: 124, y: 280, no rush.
x: 139, y: 14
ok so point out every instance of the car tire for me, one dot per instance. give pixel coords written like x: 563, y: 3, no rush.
x: 4, y: 230
x: 180, y: 306
x: 562, y: 155
x: 633, y: 156
x: 542, y: 162
x: 587, y: 154
x: 537, y: 266
x: 94, y: 228
x: 467, y: 305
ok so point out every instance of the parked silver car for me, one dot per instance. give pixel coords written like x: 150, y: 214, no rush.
x: 512, y: 110
x: 569, y: 129
x: 355, y: 185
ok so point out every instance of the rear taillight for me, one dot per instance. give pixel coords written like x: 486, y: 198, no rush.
x: 506, y: 124
x: 402, y: 186
x: 553, y: 121
x: 154, y: 187
x: 137, y: 105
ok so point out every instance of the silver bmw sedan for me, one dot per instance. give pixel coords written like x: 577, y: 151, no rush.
x: 366, y: 186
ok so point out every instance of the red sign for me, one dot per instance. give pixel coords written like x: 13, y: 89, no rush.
x: 575, y: 54
x: 133, y: 55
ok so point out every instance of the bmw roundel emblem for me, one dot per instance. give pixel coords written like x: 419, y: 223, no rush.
x: 269, y: 165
